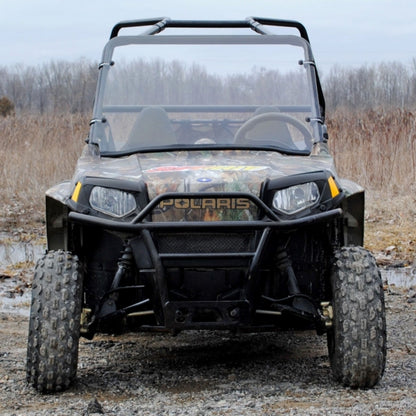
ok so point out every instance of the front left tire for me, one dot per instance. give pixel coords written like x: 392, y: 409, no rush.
x: 54, y: 325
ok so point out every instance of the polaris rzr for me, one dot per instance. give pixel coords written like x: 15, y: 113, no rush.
x: 206, y: 198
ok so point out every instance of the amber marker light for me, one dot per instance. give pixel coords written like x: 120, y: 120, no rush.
x: 76, y: 192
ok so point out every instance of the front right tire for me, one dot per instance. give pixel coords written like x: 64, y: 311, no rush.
x: 54, y: 325
x: 357, y: 339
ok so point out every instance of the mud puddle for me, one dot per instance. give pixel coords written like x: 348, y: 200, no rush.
x: 15, y: 252
x: 17, y: 260
x: 404, y: 277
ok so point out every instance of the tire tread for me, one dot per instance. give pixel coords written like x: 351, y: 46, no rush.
x: 54, y: 324
x: 357, y: 341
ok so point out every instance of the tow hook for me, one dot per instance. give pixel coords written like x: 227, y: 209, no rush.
x: 327, y: 314
x: 85, y: 320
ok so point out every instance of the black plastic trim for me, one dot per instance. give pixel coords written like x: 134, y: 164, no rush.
x: 326, y: 201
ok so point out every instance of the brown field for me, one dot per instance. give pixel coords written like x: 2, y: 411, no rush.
x: 378, y: 150
x: 375, y: 149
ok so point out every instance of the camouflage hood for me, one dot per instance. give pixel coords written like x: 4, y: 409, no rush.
x: 222, y: 171
x: 203, y: 171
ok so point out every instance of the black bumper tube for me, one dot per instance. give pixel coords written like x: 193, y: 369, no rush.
x: 136, y: 228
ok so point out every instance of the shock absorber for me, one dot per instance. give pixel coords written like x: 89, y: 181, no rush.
x: 284, y: 266
x: 123, y: 265
x: 109, y: 306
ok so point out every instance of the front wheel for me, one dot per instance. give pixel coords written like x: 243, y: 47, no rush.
x: 54, y: 325
x: 357, y: 340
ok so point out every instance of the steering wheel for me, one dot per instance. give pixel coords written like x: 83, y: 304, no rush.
x: 253, y: 122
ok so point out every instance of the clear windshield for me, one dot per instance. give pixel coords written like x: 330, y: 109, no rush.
x: 163, y: 96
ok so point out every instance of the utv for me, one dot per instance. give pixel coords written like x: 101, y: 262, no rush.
x: 206, y: 198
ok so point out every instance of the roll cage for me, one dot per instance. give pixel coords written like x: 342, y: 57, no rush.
x: 257, y: 24
x: 261, y: 26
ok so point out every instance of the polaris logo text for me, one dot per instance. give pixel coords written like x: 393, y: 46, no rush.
x: 206, y: 203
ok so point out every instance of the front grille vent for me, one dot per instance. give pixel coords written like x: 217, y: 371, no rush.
x: 183, y: 243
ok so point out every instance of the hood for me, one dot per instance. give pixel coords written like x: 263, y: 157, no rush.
x: 221, y: 171
x: 203, y: 171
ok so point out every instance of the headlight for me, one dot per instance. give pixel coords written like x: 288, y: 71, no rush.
x: 112, y: 201
x: 296, y: 198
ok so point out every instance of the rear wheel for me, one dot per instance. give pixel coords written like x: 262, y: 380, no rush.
x: 357, y: 340
x: 54, y: 326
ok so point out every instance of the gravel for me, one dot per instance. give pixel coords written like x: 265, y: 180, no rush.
x: 210, y: 373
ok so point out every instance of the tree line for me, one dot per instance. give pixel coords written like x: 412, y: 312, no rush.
x: 59, y: 86
x: 385, y: 85
x: 62, y: 86
x: 174, y: 82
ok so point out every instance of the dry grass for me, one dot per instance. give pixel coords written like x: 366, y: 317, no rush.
x: 390, y: 227
x: 376, y: 149
x: 36, y: 152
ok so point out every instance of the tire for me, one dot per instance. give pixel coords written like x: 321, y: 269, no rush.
x: 357, y: 339
x: 54, y: 325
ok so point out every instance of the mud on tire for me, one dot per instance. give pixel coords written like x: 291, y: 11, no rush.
x: 54, y: 326
x: 357, y: 340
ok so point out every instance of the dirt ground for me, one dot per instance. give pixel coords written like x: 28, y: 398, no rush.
x: 211, y: 373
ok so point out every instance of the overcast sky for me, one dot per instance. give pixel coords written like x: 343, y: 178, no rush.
x: 348, y: 32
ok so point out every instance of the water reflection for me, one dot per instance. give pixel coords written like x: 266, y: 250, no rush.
x: 19, y: 252
x: 402, y: 277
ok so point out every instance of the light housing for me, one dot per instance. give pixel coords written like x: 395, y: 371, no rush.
x: 112, y: 201
x: 296, y: 198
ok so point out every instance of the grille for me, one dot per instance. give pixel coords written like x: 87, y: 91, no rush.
x: 205, y: 243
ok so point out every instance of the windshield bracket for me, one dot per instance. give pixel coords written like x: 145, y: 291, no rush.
x: 312, y: 119
x: 98, y: 120
x: 301, y: 62
x: 103, y: 64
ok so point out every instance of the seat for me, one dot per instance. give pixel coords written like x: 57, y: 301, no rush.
x: 152, y: 128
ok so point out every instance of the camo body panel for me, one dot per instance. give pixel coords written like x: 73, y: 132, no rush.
x: 201, y: 171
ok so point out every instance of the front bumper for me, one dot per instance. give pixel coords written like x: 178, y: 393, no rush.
x: 271, y: 219
x: 216, y: 312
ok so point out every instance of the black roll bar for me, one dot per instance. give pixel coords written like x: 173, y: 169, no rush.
x: 255, y: 23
